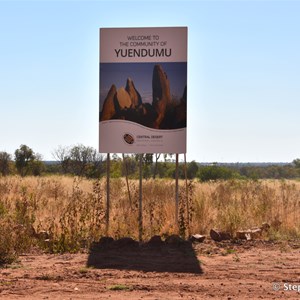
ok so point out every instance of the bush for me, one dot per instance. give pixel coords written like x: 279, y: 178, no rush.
x: 28, y: 162
x: 215, y: 172
x: 16, y: 230
x: 5, y: 159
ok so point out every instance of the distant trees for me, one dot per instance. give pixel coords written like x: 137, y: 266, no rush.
x: 27, y: 162
x: 192, y: 169
x: 85, y: 161
x: 147, y: 159
x: 23, y: 157
x: 79, y: 160
x: 296, y: 163
x: 60, y: 154
x: 270, y: 171
x: 215, y: 172
x: 5, y: 159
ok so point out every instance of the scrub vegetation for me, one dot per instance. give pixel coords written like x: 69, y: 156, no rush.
x: 84, y: 161
x: 66, y: 214
x: 61, y: 206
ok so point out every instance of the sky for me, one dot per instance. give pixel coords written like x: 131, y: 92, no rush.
x: 243, y: 74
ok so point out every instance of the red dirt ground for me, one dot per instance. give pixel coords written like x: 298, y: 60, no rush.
x: 209, y: 270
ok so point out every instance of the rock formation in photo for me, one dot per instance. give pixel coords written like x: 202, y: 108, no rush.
x: 123, y: 99
x: 135, y: 96
x: 164, y: 113
x: 160, y: 94
x: 180, y: 112
x: 108, y: 110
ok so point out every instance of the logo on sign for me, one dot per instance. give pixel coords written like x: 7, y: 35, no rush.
x: 128, y: 138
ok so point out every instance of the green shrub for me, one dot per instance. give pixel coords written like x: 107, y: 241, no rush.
x: 215, y: 172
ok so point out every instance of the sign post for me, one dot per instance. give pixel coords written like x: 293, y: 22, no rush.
x: 176, y: 193
x: 107, y: 193
x: 126, y: 177
x: 143, y: 92
x: 141, y: 198
x: 187, y: 196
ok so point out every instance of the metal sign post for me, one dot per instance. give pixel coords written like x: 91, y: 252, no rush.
x: 176, y: 193
x: 140, y: 200
x: 186, y: 196
x: 126, y: 177
x: 107, y: 193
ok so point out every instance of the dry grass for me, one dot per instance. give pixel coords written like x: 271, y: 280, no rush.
x: 72, y: 210
x: 236, y: 205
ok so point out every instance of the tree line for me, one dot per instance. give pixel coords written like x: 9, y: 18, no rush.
x: 80, y: 160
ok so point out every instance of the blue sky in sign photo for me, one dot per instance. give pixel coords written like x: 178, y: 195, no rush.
x: 243, y: 74
x: 141, y: 74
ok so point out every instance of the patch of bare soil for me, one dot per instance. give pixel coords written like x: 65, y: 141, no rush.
x: 210, y: 270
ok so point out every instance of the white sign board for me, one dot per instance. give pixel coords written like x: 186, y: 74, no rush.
x: 143, y: 90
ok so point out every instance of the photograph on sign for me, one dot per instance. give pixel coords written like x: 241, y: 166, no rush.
x: 143, y: 90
